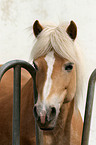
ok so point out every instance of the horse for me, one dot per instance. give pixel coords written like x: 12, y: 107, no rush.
x: 59, y: 72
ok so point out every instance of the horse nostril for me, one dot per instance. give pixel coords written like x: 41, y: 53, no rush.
x: 53, y: 111
x: 35, y: 112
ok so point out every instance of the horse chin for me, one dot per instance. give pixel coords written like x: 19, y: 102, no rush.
x: 47, y: 129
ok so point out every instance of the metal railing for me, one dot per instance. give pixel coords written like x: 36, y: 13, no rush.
x: 88, y: 108
x: 17, y: 65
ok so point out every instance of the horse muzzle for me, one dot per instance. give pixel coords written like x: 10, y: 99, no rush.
x: 45, y: 118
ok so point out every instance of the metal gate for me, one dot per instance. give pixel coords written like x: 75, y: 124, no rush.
x: 17, y: 65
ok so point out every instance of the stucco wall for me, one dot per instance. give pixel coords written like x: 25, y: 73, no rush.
x: 16, y: 39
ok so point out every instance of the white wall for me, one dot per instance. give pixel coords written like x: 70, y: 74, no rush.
x: 16, y: 40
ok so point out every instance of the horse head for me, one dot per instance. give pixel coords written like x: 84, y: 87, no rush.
x: 55, y: 78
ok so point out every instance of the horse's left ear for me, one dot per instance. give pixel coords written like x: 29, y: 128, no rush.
x: 37, y: 28
x: 72, y: 30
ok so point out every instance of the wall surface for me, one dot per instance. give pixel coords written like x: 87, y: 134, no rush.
x: 16, y: 37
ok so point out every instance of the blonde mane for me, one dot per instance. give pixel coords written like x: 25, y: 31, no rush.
x: 56, y: 38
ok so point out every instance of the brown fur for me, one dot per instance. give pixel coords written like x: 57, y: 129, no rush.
x: 68, y: 129
x: 41, y: 74
x: 64, y: 82
x: 6, y: 101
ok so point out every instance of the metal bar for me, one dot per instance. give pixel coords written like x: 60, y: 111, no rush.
x: 22, y: 63
x: 16, y: 106
x: 88, y: 109
x: 39, y: 135
x: 17, y: 64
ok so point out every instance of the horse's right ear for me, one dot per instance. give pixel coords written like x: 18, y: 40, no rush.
x: 37, y: 28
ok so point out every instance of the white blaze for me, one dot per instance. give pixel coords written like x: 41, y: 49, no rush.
x: 50, y: 59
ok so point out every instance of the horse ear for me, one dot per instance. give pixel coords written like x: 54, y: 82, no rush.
x: 37, y: 28
x: 72, y: 30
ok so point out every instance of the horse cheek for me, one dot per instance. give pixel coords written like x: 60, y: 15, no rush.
x: 71, y: 90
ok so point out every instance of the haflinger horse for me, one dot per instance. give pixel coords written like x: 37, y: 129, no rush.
x: 59, y: 73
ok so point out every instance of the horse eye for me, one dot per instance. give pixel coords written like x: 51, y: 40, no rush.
x: 69, y: 67
x: 36, y: 67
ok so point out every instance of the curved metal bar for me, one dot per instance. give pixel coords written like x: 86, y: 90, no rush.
x: 21, y: 63
x: 17, y: 65
x: 88, y: 109
x: 25, y: 65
